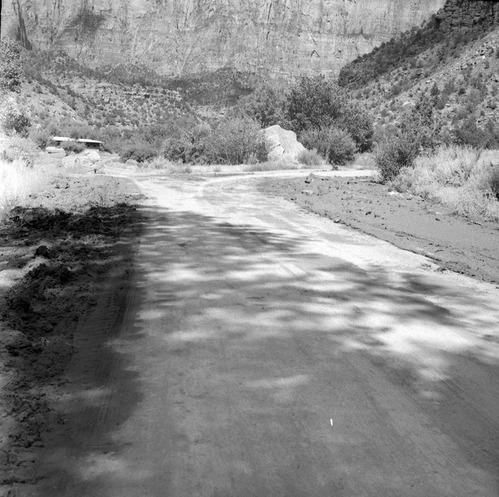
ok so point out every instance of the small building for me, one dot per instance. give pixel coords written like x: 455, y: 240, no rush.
x: 87, y: 142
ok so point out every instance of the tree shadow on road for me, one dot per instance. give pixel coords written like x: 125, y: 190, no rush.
x: 239, y: 292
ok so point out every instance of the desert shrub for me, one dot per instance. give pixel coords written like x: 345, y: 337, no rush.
x: 469, y: 134
x: 459, y: 177
x: 310, y: 158
x: 359, y: 125
x: 11, y: 65
x: 40, y: 136
x: 313, y: 103
x: 18, y: 180
x: 416, y: 134
x: 235, y: 141
x: 72, y: 147
x: 267, y: 105
x: 335, y: 145
x: 20, y: 149
x: 14, y: 121
x: 138, y: 152
x: 187, y: 145
x: 393, y: 155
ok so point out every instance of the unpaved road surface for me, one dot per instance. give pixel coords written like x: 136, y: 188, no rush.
x: 264, y: 351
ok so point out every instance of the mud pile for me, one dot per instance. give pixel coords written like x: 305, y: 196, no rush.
x: 53, y: 263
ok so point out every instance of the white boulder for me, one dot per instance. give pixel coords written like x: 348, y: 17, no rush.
x: 283, y: 143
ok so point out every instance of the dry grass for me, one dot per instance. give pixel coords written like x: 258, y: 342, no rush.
x: 277, y: 165
x: 160, y: 164
x: 458, y: 177
x: 17, y: 182
x: 20, y: 176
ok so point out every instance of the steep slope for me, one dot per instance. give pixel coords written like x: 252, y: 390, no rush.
x: 280, y: 37
x: 454, y: 58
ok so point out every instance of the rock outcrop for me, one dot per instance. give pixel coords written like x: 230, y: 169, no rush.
x: 464, y: 14
x: 177, y: 37
x: 283, y: 144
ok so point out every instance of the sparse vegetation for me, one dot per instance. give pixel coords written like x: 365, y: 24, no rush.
x: 310, y: 158
x: 73, y: 147
x: 333, y: 144
x: 463, y: 179
x: 11, y: 65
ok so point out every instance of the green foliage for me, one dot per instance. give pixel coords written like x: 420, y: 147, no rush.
x: 359, y: 125
x: 310, y: 158
x: 334, y: 144
x: 267, y: 105
x: 19, y: 148
x: 72, y: 147
x: 417, y: 133
x: 40, y: 136
x: 140, y: 152
x: 393, y: 155
x: 314, y: 103
x: 469, y: 134
x: 187, y: 145
x: 11, y: 65
x: 15, y: 121
x: 236, y: 141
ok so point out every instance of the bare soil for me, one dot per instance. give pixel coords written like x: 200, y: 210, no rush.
x: 409, y: 222
x: 56, y: 251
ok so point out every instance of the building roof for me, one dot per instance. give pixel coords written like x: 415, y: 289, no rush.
x: 80, y: 140
x: 87, y: 140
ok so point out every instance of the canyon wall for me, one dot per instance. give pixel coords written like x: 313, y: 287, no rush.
x: 175, y: 37
x: 464, y: 14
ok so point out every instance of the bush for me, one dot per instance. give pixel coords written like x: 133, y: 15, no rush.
x: 469, y: 134
x: 335, y: 145
x: 359, y: 125
x: 267, y: 105
x: 40, y: 136
x: 313, y: 103
x: 235, y: 141
x: 395, y: 154
x: 139, y: 152
x: 416, y: 134
x: 20, y: 149
x: 310, y: 158
x: 15, y: 121
x: 11, y: 65
x: 187, y: 145
x: 72, y: 147
x: 459, y: 177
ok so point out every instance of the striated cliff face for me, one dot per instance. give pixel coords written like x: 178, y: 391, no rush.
x: 464, y: 14
x: 277, y: 37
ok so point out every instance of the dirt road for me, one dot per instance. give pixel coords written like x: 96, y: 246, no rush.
x: 262, y: 351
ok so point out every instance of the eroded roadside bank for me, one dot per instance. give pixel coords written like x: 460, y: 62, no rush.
x: 58, y: 250
x: 409, y: 222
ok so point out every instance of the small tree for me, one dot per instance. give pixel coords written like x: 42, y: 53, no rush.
x: 335, y: 145
x: 314, y: 103
x: 267, y: 105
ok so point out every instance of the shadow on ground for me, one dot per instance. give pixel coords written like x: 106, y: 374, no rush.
x: 206, y: 285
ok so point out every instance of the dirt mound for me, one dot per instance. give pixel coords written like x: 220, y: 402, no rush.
x: 57, y: 259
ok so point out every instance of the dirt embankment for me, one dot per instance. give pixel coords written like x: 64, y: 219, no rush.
x: 52, y: 261
x: 407, y: 221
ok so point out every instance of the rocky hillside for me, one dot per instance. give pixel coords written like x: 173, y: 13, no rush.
x: 178, y: 37
x: 453, y: 58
